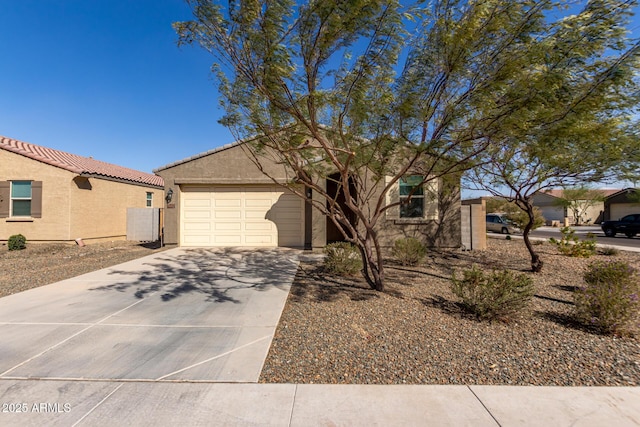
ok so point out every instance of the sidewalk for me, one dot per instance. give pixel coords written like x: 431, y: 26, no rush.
x: 580, y: 232
x: 72, y: 403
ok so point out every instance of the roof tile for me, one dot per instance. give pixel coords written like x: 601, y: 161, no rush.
x: 78, y: 164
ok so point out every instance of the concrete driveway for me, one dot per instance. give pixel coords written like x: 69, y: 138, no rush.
x: 180, y: 315
x: 180, y: 337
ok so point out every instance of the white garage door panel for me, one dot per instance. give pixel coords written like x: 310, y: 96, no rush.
x: 197, y: 226
x: 618, y: 210
x: 227, y: 226
x: 226, y: 214
x: 258, y: 226
x: 196, y: 240
x: 228, y: 203
x: 197, y: 215
x: 241, y: 216
x: 227, y: 240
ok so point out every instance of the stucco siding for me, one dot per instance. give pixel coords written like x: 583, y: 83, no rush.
x: 54, y: 223
x: 227, y: 166
x: 99, y: 209
x: 72, y: 206
x: 231, y: 165
x: 443, y: 231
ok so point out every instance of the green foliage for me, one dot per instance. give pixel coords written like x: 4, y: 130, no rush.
x: 610, y: 299
x: 496, y: 295
x: 609, y: 251
x: 409, y: 251
x: 578, y: 200
x: 375, y: 89
x: 342, y: 258
x: 17, y: 242
x: 514, y: 214
x: 571, y: 245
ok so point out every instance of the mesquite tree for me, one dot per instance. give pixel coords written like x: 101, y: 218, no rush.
x: 577, y: 130
x: 366, y: 92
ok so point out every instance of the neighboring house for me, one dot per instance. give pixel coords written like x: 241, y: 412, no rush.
x: 622, y: 203
x: 547, y: 201
x: 221, y: 198
x: 50, y: 195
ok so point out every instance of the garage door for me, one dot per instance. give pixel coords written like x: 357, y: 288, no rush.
x: 618, y: 210
x: 255, y: 216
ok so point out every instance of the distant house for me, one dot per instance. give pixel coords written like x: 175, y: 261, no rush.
x: 50, y: 195
x: 548, y: 203
x: 221, y: 198
x: 622, y: 203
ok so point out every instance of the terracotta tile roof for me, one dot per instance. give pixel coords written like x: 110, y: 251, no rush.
x: 78, y: 164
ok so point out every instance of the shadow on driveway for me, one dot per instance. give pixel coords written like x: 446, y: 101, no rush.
x: 215, y: 273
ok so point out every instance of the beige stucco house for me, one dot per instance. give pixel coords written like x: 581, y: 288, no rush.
x: 548, y: 202
x: 621, y: 203
x: 221, y: 198
x: 50, y: 195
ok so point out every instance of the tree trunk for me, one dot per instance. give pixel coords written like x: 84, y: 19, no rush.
x: 372, y: 267
x: 536, y: 262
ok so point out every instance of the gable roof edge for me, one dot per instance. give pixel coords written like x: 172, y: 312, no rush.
x: 201, y: 155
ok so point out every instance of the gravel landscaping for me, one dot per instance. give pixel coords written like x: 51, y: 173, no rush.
x: 336, y: 330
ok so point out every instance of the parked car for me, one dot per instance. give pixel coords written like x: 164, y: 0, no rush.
x: 629, y: 225
x: 500, y: 224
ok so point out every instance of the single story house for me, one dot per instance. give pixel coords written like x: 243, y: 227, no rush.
x: 621, y: 203
x: 221, y: 198
x: 50, y: 195
x: 548, y: 203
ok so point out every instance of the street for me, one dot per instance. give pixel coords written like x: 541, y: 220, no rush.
x: 581, y: 231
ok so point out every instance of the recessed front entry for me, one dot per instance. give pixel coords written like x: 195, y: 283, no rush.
x: 235, y: 215
x: 334, y: 190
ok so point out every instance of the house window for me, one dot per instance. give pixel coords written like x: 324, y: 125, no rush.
x: 412, y: 197
x: 20, y: 198
x: 149, y: 200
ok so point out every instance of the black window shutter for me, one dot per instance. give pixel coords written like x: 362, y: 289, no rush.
x: 5, y: 194
x: 36, y: 199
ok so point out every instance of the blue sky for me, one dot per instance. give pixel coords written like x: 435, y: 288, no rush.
x: 104, y: 78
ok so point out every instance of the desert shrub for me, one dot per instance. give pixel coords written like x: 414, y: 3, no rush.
x: 609, y: 250
x: 342, y: 258
x: 571, y: 245
x: 495, y: 295
x: 408, y: 251
x: 17, y: 242
x: 520, y: 218
x: 609, y: 301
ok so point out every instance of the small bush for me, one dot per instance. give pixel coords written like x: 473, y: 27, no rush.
x: 494, y: 295
x: 609, y: 251
x: 408, y: 251
x: 17, y: 242
x: 342, y: 258
x: 609, y: 301
x: 571, y: 245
